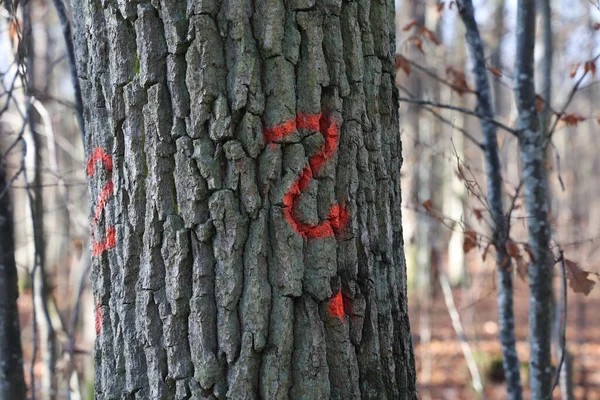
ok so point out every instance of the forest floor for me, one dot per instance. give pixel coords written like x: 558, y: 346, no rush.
x: 449, y: 377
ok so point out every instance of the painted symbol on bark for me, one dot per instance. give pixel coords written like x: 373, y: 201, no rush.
x: 330, y: 129
x: 98, y: 155
x: 336, y: 306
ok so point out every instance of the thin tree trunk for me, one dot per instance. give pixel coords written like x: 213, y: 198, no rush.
x: 41, y: 293
x: 239, y: 250
x: 536, y: 202
x: 510, y: 360
x: 12, y: 380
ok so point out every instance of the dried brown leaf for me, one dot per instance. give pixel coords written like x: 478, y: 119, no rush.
x: 403, y: 64
x: 478, y: 213
x: 539, y: 103
x: 512, y: 249
x: 440, y: 7
x: 574, y: 70
x: 411, y: 23
x: 418, y: 42
x: 572, y: 119
x: 485, y: 251
x: 428, y: 205
x: 522, y: 267
x: 429, y: 35
x: 495, y: 72
x: 470, y: 241
x: 578, y: 278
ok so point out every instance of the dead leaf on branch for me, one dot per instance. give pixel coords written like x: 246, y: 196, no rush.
x: 495, y: 71
x: 485, y: 251
x: 596, y: 26
x: 418, y: 42
x: 458, y: 80
x: 470, y: 241
x: 512, y: 249
x: 440, y: 7
x: 412, y: 22
x: 539, y: 103
x: 522, y: 267
x: 478, y: 213
x: 428, y: 205
x: 403, y: 64
x: 429, y: 35
x: 590, y: 66
x: 574, y: 70
x: 572, y: 119
x: 578, y: 278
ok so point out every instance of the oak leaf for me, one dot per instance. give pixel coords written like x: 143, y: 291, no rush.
x: 578, y: 278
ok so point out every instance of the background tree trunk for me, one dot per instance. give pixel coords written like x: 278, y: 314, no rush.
x: 531, y: 141
x: 244, y: 175
x: 12, y: 381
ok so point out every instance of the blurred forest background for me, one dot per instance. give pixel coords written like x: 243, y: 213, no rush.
x: 446, y: 221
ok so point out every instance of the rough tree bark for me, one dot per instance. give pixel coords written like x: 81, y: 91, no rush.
x: 531, y: 141
x: 506, y: 317
x: 12, y: 380
x: 244, y: 163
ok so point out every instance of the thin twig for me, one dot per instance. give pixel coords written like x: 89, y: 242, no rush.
x: 460, y: 109
x: 563, y: 329
x: 66, y: 29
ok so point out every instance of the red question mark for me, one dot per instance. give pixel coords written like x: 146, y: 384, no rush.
x: 330, y: 129
x: 98, y: 155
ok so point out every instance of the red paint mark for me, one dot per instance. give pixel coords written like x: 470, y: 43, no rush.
x: 330, y: 129
x: 336, y: 306
x: 99, y: 155
x: 98, y: 319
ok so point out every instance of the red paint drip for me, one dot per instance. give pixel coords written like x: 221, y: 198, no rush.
x: 336, y: 306
x: 99, y: 155
x: 338, y: 215
x: 98, y: 319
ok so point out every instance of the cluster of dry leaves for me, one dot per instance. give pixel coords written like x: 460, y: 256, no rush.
x: 458, y: 80
x: 521, y: 253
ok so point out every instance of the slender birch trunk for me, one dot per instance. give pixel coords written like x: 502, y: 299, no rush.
x: 531, y: 142
x: 510, y: 360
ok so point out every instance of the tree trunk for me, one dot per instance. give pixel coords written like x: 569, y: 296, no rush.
x: 531, y: 142
x: 244, y: 164
x: 12, y: 381
x: 506, y: 317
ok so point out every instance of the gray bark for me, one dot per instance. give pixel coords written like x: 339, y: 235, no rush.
x: 12, y: 380
x: 536, y: 203
x: 210, y: 290
x: 506, y: 318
